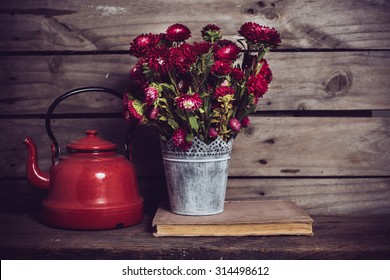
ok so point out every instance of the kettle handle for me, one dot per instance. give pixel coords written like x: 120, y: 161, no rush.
x: 55, y: 147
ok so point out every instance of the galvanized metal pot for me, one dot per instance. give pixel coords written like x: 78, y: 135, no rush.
x: 197, y: 178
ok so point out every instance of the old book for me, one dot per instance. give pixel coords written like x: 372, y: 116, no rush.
x: 240, y: 218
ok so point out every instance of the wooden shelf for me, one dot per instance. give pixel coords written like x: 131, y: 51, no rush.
x: 23, y: 236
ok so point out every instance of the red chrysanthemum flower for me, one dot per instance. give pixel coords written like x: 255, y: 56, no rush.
x: 228, y: 53
x: 189, y: 102
x: 158, y: 60
x: 221, y: 68
x: 200, y: 89
x: 186, y: 145
x: 137, y: 72
x: 255, y: 33
x: 222, y: 43
x: 265, y: 70
x: 179, y: 139
x: 213, y: 132
x: 151, y: 95
x: 201, y: 48
x: 273, y: 37
x: 143, y: 43
x: 153, y: 113
x: 237, y: 74
x: 257, y: 85
x: 235, y: 124
x: 182, y: 57
x: 245, y: 122
x: 178, y: 33
x: 223, y: 90
x: 211, y: 33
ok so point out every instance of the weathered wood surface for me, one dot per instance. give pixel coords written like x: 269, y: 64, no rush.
x: 32, y: 83
x: 108, y: 25
x: 338, y: 196
x: 334, y: 60
x: 313, y: 147
x: 279, y: 147
x: 302, y: 81
x: 342, y: 237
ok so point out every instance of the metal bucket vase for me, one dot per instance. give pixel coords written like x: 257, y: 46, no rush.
x: 197, y: 178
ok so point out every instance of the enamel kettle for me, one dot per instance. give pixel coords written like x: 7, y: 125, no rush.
x: 92, y: 187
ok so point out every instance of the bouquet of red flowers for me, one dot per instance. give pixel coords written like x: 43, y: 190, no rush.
x: 196, y: 90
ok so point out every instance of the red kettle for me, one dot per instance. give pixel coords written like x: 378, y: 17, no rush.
x: 92, y: 187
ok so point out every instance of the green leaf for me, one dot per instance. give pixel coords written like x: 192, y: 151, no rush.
x: 164, y: 101
x: 168, y: 86
x: 194, y: 123
x: 189, y: 137
x: 138, y: 106
x: 163, y: 118
x: 173, y: 124
x: 181, y: 114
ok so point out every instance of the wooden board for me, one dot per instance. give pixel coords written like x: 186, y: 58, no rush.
x: 96, y: 25
x: 32, y: 83
x: 342, y: 237
x: 272, y: 147
x: 313, y: 147
x: 334, y: 63
x: 337, y: 196
x: 302, y: 81
x: 318, y: 196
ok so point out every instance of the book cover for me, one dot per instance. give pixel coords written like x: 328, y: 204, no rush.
x: 240, y: 218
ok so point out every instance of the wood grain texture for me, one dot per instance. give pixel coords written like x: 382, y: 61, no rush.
x: 32, y: 83
x: 334, y: 60
x: 302, y: 81
x: 313, y: 147
x: 101, y: 25
x: 338, y: 196
x: 342, y: 237
x: 328, y: 81
x: 271, y: 147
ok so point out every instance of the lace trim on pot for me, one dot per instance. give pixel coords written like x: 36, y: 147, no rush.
x: 199, y: 150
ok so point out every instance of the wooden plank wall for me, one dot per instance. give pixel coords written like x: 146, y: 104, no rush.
x: 321, y: 137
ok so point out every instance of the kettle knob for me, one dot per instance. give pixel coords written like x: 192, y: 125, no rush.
x: 91, y: 132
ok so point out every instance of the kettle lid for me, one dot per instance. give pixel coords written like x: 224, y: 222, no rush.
x: 91, y: 143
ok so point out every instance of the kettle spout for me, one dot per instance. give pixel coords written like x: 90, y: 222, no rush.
x: 36, y: 177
